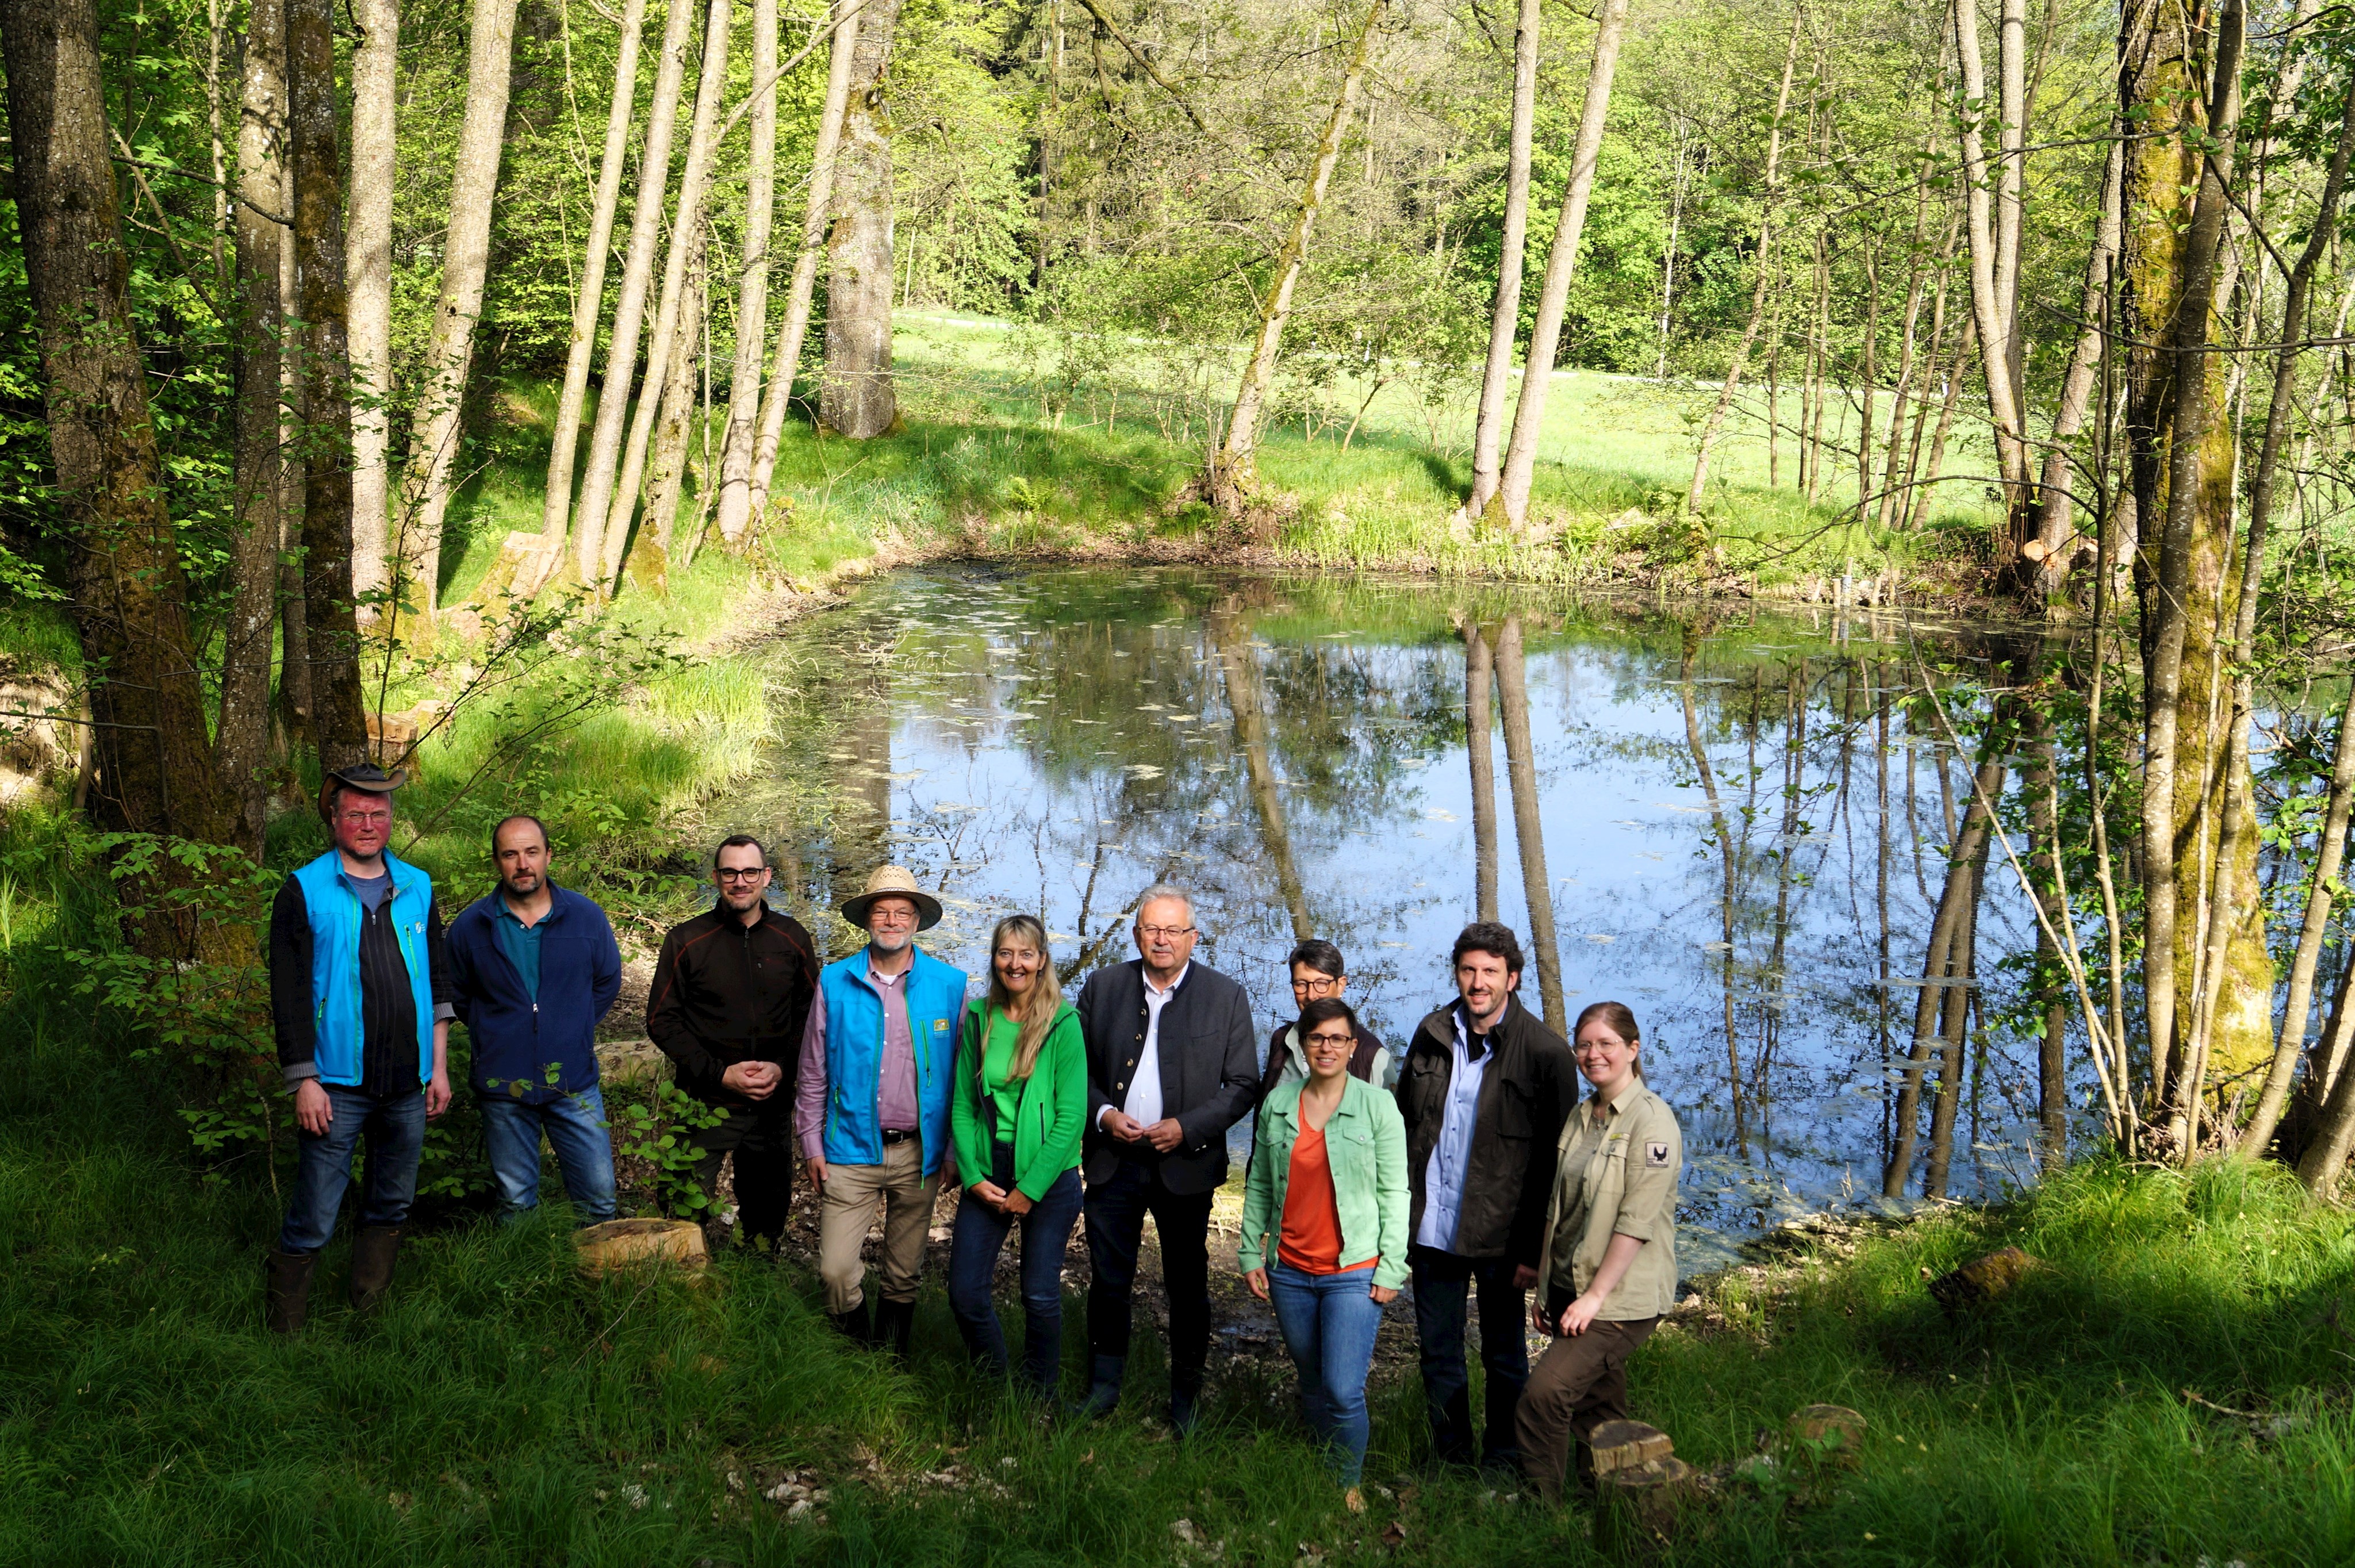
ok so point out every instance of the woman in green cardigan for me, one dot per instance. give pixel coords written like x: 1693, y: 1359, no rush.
x: 1324, y: 1228
x: 1017, y: 1114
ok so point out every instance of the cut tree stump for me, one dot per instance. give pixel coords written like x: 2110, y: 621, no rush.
x: 1834, y: 1432
x: 1628, y: 1445
x: 1984, y: 1279
x: 633, y: 1243
x: 1639, y: 1509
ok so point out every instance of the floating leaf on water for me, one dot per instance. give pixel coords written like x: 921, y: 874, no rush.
x: 1601, y: 936
x: 1717, y: 948
x: 1143, y: 770
x: 1414, y: 761
x: 1436, y: 815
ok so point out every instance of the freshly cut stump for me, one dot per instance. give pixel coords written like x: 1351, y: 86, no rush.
x: 1834, y: 1431
x: 1628, y: 1446
x: 1984, y: 1279
x: 635, y: 1243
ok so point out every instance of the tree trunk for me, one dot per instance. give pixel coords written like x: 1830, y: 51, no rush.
x: 330, y: 625
x: 437, y: 427
x: 1479, y: 676
x: 674, y: 425
x: 1918, y: 356
x: 1953, y: 1036
x: 1709, y: 432
x: 1988, y: 233
x: 242, y: 743
x: 1242, y: 669
x: 2181, y: 457
x: 1529, y: 824
x: 855, y: 393
x: 753, y: 302
x: 686, y: 225
x: 587, y: 307
x: 368, y: 277
x: 1512, y: 498
x: 295, y: 704
x: 589, y: 521
x: 1234, y: 474
x: 1505, y: 320
x: 155, y: 763
x: 2053, y: 533
x: 815, y: 217
x: 1926, y: 479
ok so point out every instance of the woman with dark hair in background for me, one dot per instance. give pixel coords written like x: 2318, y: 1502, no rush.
x: 1318, y: 971
x: 1324, y: 1228
x: 1609, y: 1265
x: 1016, y: 1115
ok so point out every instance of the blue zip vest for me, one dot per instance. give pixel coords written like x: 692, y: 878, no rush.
x: 334, y: 911
x: 854, y: 1055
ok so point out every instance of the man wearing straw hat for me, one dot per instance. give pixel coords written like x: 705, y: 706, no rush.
x: 360, y: 1002
x: 872, y: 1100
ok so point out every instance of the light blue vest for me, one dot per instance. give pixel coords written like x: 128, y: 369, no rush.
x: 335, y: 915
x: 854, y: 1055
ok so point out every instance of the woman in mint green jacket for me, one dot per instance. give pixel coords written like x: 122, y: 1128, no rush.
x: 1015, y: 1116
x: 1325, y: 1227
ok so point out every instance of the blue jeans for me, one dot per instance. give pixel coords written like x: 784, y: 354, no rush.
x: 980, y: 1236
x: 394, y: 1126
x: 575, y: 1125
x: 1328, y: 1322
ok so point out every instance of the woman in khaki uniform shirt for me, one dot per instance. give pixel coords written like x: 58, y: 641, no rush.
x: 1610, y: 1258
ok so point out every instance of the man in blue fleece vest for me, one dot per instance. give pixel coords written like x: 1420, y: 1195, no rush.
x: 360, y: 999
x: 872, y: 1100
x: 534, y: 968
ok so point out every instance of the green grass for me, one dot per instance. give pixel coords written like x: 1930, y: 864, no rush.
x: 503, y: 1411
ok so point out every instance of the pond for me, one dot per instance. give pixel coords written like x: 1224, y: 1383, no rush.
x: 1731, y: 818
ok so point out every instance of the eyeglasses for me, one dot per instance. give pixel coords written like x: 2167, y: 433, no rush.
x: 1164, y: 932
x: 1335, y: 1041
x: 1316, y: 986
x: 365, y: 818
x: 735, y: 874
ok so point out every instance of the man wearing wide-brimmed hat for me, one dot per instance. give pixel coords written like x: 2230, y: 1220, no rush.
x: 873, y: 1101
x: 360, y: 1001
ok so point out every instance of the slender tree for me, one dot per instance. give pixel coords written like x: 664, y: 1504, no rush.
x: 753, y: 302
x: 1529, y: 824
x: 368, y: 270
x: 1505, y: 318
x: 855, y: 392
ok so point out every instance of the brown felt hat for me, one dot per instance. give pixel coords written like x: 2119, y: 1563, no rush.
x: 362, y: 776
x: 893, y: 881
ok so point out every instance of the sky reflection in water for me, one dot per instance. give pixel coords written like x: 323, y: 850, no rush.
x: 1293, y: 751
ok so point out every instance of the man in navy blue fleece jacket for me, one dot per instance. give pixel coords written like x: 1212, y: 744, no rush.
x: 535, y: 969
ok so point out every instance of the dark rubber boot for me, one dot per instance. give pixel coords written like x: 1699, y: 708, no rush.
x: 854, y: 1324
x: 1103, y: 1387
x: 895, y: 1325
x: 1185, y: 1411
x: 372, y: 1259
x: 287, y: 1297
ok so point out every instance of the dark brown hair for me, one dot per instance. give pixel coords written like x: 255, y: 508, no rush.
x: 1618, y: 1019
x: 1324, y: 1010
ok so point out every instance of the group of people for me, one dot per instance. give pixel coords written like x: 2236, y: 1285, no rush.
x: 1487, y: 1169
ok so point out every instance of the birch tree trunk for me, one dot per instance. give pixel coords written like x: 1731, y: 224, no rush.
x: 1529, y: 824
x: 367, y: 278
x: 674, y: 425
x: 1512, y: 498
x: 436, y: 428
x: 855, y: 392
x: 1505, y: 320
x: 1235, y: 474
x: 155, y: 768
x: 687, y: 224
x: 242, y: 741
x: 1479, y: 679
x: 630, y: 306
x: 587, y: 307
x: 1758, y: 290
x: 2050, y: 553
x: 1989, y: 271
x: 753, y: 302
x: 329, y: 623
x: 779, y: 391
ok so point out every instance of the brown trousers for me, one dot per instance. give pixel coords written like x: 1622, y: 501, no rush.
x: 851, y: 1193
x: 1578, y: 1384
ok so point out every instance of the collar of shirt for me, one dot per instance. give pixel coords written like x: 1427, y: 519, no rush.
x: 1465, y: 1037
x: 880, y: 977
x: 1600, y: 1110
x: 1154, y: 993
x: 506, y: 912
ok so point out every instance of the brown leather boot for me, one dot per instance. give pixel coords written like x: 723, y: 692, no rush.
x: 287, y: 1296
x: 372, y: 1259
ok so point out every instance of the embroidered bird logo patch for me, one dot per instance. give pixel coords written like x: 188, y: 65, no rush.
x: 1655, y: 1155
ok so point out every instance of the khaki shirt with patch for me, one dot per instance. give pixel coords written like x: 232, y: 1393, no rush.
x: 1618, y: 1176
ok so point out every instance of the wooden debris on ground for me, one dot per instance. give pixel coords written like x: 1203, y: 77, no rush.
x: 633, y: 1243
x: 1984, y: 1279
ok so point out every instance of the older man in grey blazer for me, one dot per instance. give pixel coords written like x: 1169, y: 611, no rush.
x: 1172, y: 1064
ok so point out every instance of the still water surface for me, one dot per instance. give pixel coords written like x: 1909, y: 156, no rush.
x: 1737, y: 818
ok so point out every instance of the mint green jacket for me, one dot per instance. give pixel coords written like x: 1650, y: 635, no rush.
x: 1365, y: 1145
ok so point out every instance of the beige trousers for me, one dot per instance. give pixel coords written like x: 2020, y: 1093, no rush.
x: 852, y: 1192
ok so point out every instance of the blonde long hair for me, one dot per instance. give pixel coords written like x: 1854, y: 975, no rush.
x: 1037, y: 1012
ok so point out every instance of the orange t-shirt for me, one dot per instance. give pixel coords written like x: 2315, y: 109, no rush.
x: 1311, y: 1241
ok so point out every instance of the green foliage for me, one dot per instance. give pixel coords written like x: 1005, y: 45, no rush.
x: 660, y: 1130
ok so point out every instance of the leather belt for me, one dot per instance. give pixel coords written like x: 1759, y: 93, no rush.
x: 897, y: 1136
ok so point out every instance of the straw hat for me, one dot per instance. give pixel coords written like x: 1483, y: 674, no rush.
x: 893, y: 881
